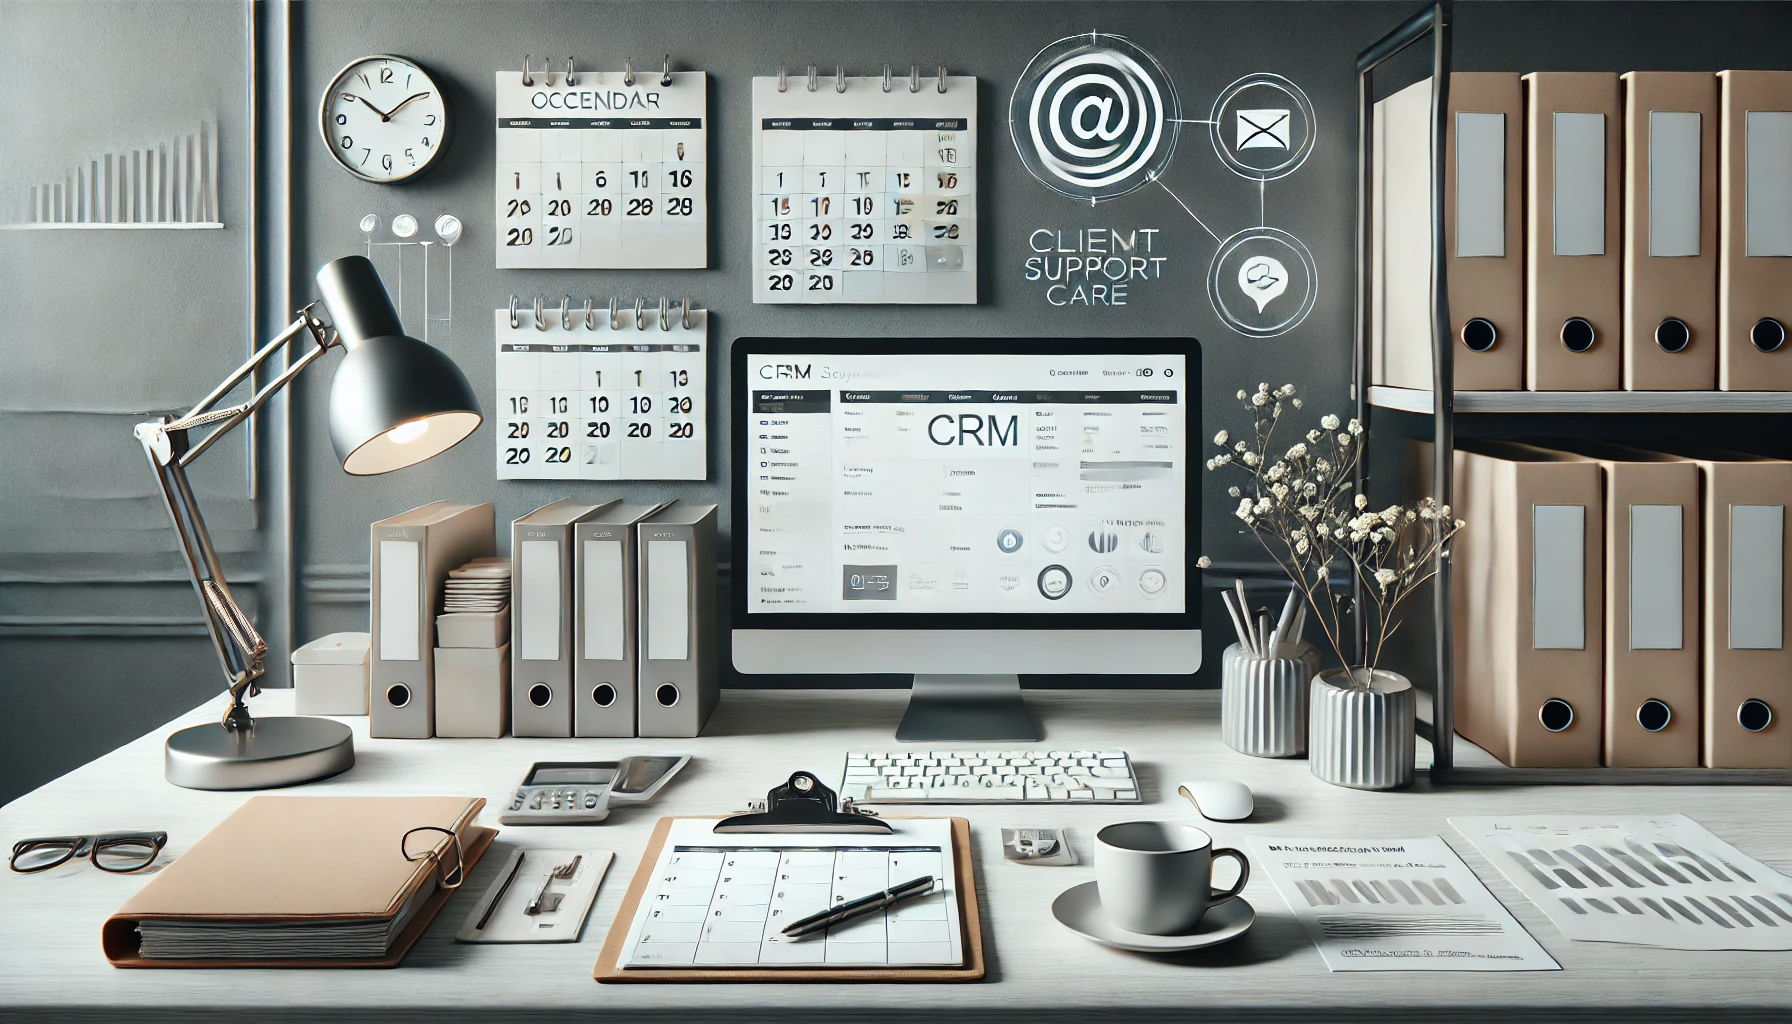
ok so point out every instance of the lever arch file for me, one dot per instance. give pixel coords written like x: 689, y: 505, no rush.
x: 605, y: 557
x: 1483, y: 220
x: 1754, y: 291
x: 1527, y: 592
x: 1670, y: 231
x: 1652, y: 537
x: 677, y: 681
x: 1572, y: 262
x: 412, y: 556
x: 1747, y: 665
x: 541, y: 651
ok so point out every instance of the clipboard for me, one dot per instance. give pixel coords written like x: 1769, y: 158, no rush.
x: 609, y: 970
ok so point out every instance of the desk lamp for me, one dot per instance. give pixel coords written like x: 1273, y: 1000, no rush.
x: 395, y: 402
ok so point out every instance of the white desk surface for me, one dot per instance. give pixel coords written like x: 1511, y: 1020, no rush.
x: 51, y: 967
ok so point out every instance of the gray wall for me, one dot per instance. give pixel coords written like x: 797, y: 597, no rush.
x: 1204, y: 46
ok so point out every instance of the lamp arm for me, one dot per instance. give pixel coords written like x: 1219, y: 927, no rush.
x: 166, y: 444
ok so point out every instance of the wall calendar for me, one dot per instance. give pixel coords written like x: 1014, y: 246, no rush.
x: 602, y: 171
x: 601, y: 392
x: 865, y: 189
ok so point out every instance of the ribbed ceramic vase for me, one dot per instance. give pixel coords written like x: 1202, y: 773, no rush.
x: 1363, y: 736
x: 1263, y: 701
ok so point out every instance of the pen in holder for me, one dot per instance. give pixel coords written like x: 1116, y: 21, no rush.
x: 1264, y: 683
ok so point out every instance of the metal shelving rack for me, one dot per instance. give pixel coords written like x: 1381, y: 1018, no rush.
x: 1455, y: 760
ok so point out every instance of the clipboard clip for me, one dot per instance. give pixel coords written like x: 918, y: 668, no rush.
x: 803, y: 804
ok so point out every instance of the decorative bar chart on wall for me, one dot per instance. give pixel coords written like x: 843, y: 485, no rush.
x: 170, y: 184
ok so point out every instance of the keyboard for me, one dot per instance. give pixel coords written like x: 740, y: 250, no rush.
x: 990, y: 777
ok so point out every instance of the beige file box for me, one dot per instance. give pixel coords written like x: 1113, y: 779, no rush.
x: 473, y: 691
x: 1754, y: 290
x: 1670, y: 231
x: 412, y: 556
x: 1652, y: 538
x: 1483, y: 239
x: 1747, y: 666
x: 1528, y: 598
x: 1573, y: 264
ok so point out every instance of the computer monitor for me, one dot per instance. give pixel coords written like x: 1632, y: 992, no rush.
x: 965, y: 510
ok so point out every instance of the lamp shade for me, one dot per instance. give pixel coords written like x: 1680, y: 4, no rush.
x: 396, y: 401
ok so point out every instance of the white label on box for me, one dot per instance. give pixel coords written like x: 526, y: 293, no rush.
x: 1757, y: 577
x: 668, y: 600
x: 1656, y: 590
x: 1558, y: 577
x: 538, y: 613
x: 400, y: 603
x: 604, y: 608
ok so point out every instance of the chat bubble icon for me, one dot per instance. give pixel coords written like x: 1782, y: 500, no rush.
x: 1262, y: 278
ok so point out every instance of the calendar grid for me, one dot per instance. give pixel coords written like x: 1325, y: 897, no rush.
x: 593, y: 401
x: 863, y: 195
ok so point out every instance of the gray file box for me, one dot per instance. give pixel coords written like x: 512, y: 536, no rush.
x: 541, y: 600
x: 604, y: 575
x: 678, y: 682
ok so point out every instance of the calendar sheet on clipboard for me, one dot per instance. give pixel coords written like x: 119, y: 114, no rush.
x: 721, y: 900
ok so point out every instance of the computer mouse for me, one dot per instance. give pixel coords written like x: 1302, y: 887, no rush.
x: 1219, y: 799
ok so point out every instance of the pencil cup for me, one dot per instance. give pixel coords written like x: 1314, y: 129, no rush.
x: 1264, y: 702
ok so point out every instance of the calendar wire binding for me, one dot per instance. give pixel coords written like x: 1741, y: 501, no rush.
x: 914, y: 77
x: 539, y: 305
x: 628, y: 73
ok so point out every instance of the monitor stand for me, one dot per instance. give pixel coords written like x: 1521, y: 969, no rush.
x: 968, y: 708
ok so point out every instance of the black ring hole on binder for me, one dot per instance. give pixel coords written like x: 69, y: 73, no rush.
x: 1768, y: 334
x: 541, y: 695
x: 667, y: 695
x: 603, y: 695
x: 1673, y: 335
x: 398, y: 695
x: 1556, y: 714
x: 1479, y: 334
x: 1578, y: 334
x: 1654, y: 715
x: 1754, y: 715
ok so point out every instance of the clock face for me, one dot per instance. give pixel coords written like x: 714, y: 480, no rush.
x: 384, y: 119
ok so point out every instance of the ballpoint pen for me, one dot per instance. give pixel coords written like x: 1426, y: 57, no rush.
x: 854, y: 909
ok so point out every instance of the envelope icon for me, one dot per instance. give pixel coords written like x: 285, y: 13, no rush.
x: 1262, y: 129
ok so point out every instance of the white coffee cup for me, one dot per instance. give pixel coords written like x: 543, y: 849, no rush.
x: 1156, y: 877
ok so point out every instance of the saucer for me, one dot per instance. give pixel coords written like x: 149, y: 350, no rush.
x: 1078, y: 908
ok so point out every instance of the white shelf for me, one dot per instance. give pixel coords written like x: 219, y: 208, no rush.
x: 115, y: 226
x: 1414, y: 400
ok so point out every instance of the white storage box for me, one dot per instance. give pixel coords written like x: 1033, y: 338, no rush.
x: 329, y: 675
x: 472, y: 691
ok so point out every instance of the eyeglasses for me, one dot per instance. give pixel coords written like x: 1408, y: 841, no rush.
x: 120, y: 852
x: 450, y: 869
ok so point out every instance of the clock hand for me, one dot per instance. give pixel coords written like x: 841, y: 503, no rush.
x: 407, y: 101
x: 383, y: 115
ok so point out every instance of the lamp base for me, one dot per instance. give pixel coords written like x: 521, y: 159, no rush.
x: 275, y: 752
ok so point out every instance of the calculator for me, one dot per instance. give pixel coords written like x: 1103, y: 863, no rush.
x: 581, y: 792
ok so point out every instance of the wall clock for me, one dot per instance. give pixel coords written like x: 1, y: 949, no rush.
x: 385, y: 119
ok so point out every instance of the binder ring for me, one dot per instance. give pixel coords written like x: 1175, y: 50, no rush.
x: 685, y: 318
x: 615, y: 324
x: 783, y: 83
x: 886, y: 78
x: 942, y: 78
x: 590, y: 315
x: 570, y: 80
x: 914, y: 78
x: 839, y: 78
x: 514, y: 324
x: 811, y: 78
x: 640, y: 321
x: 628, y: 72
x: 541, y: 320
x: 666, y: 71
x: 665, y: 314
x: 527, y: 79
x: 547, y: 69
x: 565, y: 309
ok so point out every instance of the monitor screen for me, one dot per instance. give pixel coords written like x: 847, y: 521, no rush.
x: 928, y: 480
